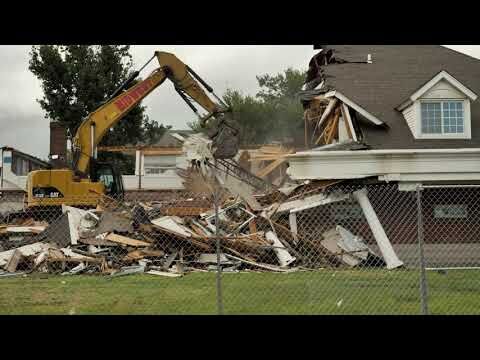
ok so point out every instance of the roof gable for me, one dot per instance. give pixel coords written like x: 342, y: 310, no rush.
x: 443, y: 75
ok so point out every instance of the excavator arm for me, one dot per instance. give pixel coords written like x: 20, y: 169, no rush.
x: 96, y: 125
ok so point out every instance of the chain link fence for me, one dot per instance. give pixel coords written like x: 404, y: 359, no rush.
x: 322, y: 247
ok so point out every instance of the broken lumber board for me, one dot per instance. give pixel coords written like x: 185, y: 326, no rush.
x: 14, y: 261
x: 163, y: 273
x: 97, y: 241
x: 284, y: 257
x: 348, y: 122
x: 71, y: 254
x: 174, y: 225
x: 322, y: 135
x: 260, y: 265
x: 160, y: 233
x: 270, y: 167
x: 199, y: 231
x: 140, y: 254
x: 292, y: 219
x: 330, y: 127
x: 183, y: 210
x: 333, y: 130
x: 243, y: 256
x: 252, y: 226
x: 25, y: 229
x: 120, y: 239
x: 309, y: 202
x: 326, y: 113
x: 323, y: 185
x: 26, y: 250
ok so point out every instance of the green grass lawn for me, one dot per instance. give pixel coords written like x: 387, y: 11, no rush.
x: 320, y: 292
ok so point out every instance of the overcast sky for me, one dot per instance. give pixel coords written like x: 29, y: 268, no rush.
x: 24, y: 127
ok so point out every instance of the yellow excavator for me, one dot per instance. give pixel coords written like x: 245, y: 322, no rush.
x: 88, y: 179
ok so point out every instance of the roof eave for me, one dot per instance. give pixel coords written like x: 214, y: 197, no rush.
x: 356, y: 107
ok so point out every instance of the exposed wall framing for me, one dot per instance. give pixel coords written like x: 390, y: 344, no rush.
x: 329, y: 121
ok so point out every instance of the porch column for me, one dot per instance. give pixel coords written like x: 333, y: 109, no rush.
x: 377, y: 229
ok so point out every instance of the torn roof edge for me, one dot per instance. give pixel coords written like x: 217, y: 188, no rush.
x: 356, y: 107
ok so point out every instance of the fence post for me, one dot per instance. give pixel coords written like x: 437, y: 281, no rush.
x: 423, y: 277
x: 218, y: 248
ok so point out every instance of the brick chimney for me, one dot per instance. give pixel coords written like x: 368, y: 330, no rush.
x: 58, y: 145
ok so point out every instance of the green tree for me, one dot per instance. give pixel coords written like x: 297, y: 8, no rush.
x: 77, y: 79
x: 273, y: 114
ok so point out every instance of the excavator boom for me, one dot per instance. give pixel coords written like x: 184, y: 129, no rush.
x: 88, y: 179
x: 93, y: 129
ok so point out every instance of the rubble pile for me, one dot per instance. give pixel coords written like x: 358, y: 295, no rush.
x: 175, y: 237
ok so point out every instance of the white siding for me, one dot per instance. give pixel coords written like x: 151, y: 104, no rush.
x: 409, y: 115
x: 167, y: 181
x: 443, y: 90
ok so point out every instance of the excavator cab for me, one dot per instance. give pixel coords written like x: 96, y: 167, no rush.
x: 110, y: 177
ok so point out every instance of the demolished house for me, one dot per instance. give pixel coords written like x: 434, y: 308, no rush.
x: 256, y: 229
x: 401, y: 116
x: 376, y: 126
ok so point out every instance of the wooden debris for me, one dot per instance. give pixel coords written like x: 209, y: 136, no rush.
x: 120, y: 239
x: 14, y: 261
x: 140, y: 254
x: 270, y: 167
x: 97, y: 241
x: 173, y: 225
x: 259, y: 265
x: 27, y: 250
x: 25, y: 229
x: 163, y: 273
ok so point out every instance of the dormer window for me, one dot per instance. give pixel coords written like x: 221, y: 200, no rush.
x: 442, y: 117
x: 440, y: 109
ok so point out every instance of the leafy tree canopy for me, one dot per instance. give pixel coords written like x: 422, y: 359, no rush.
x: 273, y: 114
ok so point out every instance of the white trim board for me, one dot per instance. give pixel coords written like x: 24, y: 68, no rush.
x: 400, y: 165
x: 354, y: 106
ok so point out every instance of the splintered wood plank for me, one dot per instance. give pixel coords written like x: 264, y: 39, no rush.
x: 14, y: 261
x: 332, y: 131
x: 120, y: 239
x: 163, y: 273
x: 348, y: 122
x: 252, y: 226
x: 260, y: 265
x: 25, y: 229
x: 140, y: 254
x: 184, y: 210
x: 269, y: 168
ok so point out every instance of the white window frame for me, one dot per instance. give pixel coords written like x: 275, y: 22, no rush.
x: 467, y: 131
